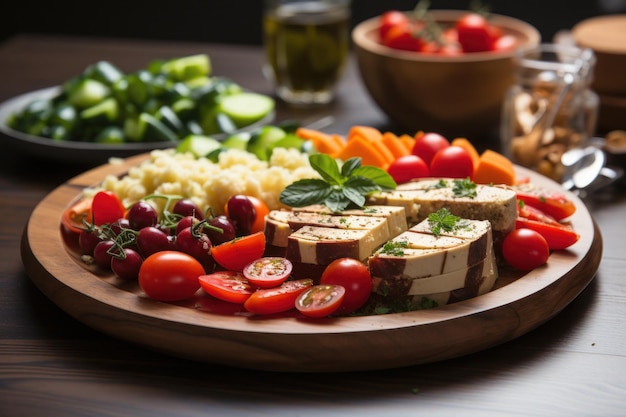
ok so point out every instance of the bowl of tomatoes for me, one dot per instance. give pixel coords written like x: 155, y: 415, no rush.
x: 441, y: 70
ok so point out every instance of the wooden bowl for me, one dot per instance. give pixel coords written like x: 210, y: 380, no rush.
x: 606, y: 36
x: 453, y: 95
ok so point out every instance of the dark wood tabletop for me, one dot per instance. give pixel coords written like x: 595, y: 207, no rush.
x: 52, y: 365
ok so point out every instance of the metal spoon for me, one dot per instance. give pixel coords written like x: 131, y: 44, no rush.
x: 583, y: 172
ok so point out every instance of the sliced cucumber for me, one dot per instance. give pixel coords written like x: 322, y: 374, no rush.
x: 198, y: 145
x: 237, y: 141
x: 246, y: 108
x: 87, y: 93
x: 262, y: 142
x: 188, y: 67
x: 106, y: 111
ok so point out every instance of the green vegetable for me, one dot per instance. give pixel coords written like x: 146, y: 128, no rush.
x: 166, y: 101
x: 339, y: 187
x: 444, y: 221
x: 464, y: 188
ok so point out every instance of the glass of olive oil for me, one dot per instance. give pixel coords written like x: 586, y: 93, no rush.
x: 306, y: 47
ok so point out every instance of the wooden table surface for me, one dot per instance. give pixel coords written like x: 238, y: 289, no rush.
x: 52, y: 365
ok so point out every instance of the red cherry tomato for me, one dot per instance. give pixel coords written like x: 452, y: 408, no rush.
x: 452, y: 162
x: 390, y: 19
x: 402, y: 38
x: 268, y: 272
x: 406, y: 168
x: 354, y: 276
x: 237, y: 253
x: 427, y: 145
x: 106, y: 208
x: 170, y: 276
x: 229, y: 286
x: 278, y: 299
x: 320, y: 300
x: 262, y: 210
x: 475, y: 34
x: 525, y: 249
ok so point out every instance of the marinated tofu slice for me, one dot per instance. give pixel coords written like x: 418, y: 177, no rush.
x: 419, y: 253
x: 280, y: 224
x: 322, y: 245
x: 494, y: 203
x: 458, y: 285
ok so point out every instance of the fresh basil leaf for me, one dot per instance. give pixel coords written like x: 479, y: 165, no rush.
x: 327, y: 167
x: 336, y: 202
x: 305, y: 192
x: 349, y: 166
x: 377, y: 175
x: 353, y: 195
x: 363, y: 185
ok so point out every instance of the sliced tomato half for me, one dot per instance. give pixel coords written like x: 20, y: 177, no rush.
x: 320, y: 300
x: 73, y: 216
x: 278, y: 299
x: 268, y: 272
x: 558, y: 236
x: 234, y: 255
x: 228, y: 286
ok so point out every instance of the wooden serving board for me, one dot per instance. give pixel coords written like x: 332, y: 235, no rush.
x: 519, y: 304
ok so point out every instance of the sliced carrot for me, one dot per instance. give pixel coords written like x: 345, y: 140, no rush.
x: 408, y: 141
x: 494, y: 168
x: 323, y: 142
x: 469, y: 147
x: 393, y: 143
x: 363, y: 148
x: 366, y: 132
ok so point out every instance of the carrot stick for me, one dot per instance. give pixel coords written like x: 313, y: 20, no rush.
x: 323, y: 142
x: 363, y: 148
x: 494, y: 168
x: 393, y: 143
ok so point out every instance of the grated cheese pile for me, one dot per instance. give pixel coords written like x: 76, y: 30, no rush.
x: 210, y: 184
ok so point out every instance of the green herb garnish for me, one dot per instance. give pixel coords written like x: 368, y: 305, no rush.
x: 338, y: 188
x: 443, y: 221
x: 464, y: 188
x: 394, y: 248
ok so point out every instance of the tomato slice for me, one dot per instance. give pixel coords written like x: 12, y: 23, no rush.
x: 72, y: 218
x: 228, y: 286
x: 239, y: 252
x: 554, y: 204
x: 106, y: 208
x: 558, y: 236
x: 278, y: 299
x: 268, y: 272
x: 320, y: 300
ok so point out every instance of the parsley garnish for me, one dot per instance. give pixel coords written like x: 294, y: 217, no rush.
x: 443, y: 221
x: 394, y: 248
x: 338, y: 188
x: 464, y: 188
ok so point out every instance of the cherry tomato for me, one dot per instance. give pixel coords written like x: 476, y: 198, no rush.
x: 555, y: 204
x: 558, y: 236
x: 475, y: 34
x: 525, y: 249
x: 390, y: 19
x: 237, y: 253
x: 320, y: 300
x: 106, y: 208
x: 73, y: 216
x: 354, y: 276
x: 277, y: 299
x: 170, y: 276
x: 427, y: 145
x: 262, y: 210
x: 268, y: 272
x: 406, y: 168
x: 402, y: 38
x: 230, y: 286
x: 126, y: 264
x: 452, y: 162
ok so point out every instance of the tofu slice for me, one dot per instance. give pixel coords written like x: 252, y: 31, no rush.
x: 322, y: 245
x: 494, y: 203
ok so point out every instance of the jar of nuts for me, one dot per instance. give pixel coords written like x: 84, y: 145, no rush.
x: 550, y: 108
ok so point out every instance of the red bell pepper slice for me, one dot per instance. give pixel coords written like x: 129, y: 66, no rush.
x: 558, y: 236
x: 555, y: 204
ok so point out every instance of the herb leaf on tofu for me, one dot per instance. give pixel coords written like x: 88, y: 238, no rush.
x: 443, y: 221
x: 341, y: 185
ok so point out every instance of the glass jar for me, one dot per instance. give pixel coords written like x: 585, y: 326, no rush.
x: 550, y: 108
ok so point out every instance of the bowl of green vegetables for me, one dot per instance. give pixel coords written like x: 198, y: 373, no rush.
x: 104, y: 112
